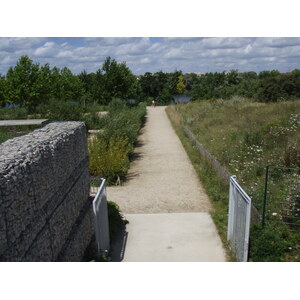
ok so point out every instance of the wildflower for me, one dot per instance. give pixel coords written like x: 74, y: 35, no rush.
x: 274, y: 214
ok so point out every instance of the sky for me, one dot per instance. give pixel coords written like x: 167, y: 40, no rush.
x: 153, y: 54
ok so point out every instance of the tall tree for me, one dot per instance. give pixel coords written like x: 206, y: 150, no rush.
x: 117, y: 81
x: 3, y: 90
x: 21, y: 83
x: 71, y: 86
x: 180, y: 87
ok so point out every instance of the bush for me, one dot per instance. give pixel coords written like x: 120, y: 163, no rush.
x: 15, y: 113
x: 109, y: 151
x: 266, y: 244
x: 164, y: 97
x: 117, y: 105
x: 108, y: 160
x: 94, y: 121
x: 124, y: 122
x: 115, y: 219
x: 60, y: 110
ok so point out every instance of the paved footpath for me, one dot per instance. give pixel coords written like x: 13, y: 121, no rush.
x: 164, y: 202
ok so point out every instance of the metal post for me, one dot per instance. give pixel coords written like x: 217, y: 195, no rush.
x: 265, y: 197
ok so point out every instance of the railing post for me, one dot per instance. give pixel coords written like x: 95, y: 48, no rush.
x: 265, y: 197
x: 101, y: 219
x: 230, y: 209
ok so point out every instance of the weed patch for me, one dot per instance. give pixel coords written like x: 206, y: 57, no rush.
x: 245, y: 137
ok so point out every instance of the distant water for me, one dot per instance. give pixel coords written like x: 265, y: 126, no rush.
x: 181, y: 98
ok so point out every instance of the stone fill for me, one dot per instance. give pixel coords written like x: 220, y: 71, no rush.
x: 44, y: 194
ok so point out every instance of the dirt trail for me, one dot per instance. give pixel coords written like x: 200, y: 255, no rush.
x: 161, y: 179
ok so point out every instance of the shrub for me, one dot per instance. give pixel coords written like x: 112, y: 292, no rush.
x: 15, y: 113
x: 124, y: 122
x: 94, y: 121
x: 266, y: 244
x: 115, y: 219
x: 109, y: 152
x: 116, y: 105
x: 108, y: 160
x: 61, y: 110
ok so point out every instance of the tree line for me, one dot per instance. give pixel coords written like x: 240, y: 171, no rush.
x: 30, y: 84
x: 266, y: 86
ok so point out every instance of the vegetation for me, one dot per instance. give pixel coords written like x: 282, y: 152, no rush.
x: 242, y: 118
x: 115, y: 219
x: 214, y: 186
x: 29, y: 85
x: 110, y: 150
x: 246, y: 136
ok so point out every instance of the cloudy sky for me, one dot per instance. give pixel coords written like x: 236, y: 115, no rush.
x: 144, y: 54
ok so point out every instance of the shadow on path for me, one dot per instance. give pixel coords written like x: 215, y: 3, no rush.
x: 118, y: 246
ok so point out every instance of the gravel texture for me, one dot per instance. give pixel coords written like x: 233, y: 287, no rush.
x: 161, y: 179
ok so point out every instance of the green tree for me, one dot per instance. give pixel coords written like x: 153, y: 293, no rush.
x: 267, y: 74
x: 21, y: 83
x: 180, y: 87
x: 70, y: 85
x: 165, y: 96
x: 149, y: 85
x: 190, y: 80
x: 173, y: 80
x: 3, y: 90
x: 117, y: 81
x: 233, y: 77
x: 91, y: 84
x: 43, y: 84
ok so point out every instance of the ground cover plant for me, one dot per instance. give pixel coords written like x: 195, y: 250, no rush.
x: 245, y: 137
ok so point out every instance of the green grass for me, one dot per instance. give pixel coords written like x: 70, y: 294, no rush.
x: 213, y: 185
x: 245, y: 137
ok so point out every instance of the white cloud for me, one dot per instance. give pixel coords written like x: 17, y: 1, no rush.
x: 18, y: 43
x: 49, y: 49
x: 154, y: 54
x: 225, y: 43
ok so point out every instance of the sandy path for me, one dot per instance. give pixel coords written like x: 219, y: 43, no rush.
x: 162, y: 178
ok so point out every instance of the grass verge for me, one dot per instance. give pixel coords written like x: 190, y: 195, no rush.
x: 216, y: 190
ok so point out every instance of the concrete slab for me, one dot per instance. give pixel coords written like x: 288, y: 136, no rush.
x: 169, y: 237
x: 23, y: 122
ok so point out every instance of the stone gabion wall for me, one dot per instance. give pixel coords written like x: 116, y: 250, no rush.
x: 45, y: 209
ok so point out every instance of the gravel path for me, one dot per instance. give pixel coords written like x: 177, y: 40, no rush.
x: 161, y: 179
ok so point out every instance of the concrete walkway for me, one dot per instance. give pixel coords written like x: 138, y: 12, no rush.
x: 164, y: 202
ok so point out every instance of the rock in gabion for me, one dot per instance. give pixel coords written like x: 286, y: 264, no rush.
x: 45, y: 210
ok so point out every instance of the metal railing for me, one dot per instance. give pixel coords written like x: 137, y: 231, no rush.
x: 100, y: 215
x: 239, y: 220
x: 222, y: 172
x: 282, y: 197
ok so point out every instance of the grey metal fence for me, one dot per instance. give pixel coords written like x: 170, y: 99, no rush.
x: 222, y: 172
x: 98, y: 188
x: 239, y: 216
x: 282, y: 197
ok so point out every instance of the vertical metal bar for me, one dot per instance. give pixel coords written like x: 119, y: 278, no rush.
x: 231, y: 209
x: 265, y: 197
x: 101, y: 219
x: 247, y: 229
x: 239, y: 219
